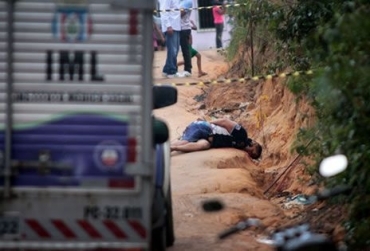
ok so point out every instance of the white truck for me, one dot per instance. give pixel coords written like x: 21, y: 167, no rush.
x: 84, y: 165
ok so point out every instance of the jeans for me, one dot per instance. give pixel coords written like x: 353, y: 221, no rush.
x: 185, y: 48
x: 197, y: 130
x: 219, y: 29
x: 172, y: 44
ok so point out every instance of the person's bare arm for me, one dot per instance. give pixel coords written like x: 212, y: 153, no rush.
x: 225, y: 123
x: 161, y: 37
x: 200, y: 145
x: 221, y: 10
x: 193, y: 25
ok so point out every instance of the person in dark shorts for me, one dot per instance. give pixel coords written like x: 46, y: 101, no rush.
x: 220, y: 133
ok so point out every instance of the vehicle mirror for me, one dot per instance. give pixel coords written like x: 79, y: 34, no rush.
x: 160, y: 131
x: 333, y: 165
x: 164, y: 95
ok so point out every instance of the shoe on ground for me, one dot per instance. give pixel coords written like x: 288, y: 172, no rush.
x: 179, y: 75
x: 164, y: 74
x: 176, y: 75
x: 186, y: 74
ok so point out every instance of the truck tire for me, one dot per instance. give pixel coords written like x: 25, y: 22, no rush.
x: 159, y: 239
x: 158, y: 242
x: 170, y: 232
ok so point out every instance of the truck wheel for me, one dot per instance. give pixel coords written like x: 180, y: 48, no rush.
x: 170, y: 232
x: 159, y: 239
x: 158, y: 242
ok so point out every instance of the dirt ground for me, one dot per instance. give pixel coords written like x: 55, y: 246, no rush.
x: 272, y: 116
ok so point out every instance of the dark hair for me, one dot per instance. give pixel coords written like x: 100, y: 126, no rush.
x: 216, y: 2
x: 257, y: 152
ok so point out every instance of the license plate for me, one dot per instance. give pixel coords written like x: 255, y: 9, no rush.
x: 9, y: 226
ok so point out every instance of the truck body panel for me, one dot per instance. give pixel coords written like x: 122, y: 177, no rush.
x: 75, y: 116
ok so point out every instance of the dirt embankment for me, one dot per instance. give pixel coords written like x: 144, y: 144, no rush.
x: 272, y: 116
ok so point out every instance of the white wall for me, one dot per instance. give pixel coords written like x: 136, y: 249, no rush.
x: 206, y: 39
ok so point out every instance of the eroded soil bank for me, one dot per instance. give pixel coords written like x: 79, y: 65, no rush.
x: 272, y: 116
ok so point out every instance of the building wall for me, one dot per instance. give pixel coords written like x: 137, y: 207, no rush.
x: 206, y: 39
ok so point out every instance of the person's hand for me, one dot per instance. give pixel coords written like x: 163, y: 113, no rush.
x: 193, y: 25
x: 169, y: 30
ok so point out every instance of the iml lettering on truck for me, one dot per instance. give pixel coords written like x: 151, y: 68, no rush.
x: 72, y: 24
x: 68, y: 62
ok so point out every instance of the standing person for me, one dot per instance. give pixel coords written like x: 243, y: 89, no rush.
x: 171, y: 27
x: 160, y: 41
x: 185, y: 34
x: 218, y: 12
x: 195, y: 53
x: 158, y: 38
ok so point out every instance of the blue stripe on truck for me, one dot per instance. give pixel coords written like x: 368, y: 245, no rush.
x: 93, y: 145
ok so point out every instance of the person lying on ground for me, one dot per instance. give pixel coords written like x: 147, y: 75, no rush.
x: 220, y: 133
x: 194, y: 53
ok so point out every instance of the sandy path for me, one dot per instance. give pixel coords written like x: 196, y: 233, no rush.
x: 216, y: 173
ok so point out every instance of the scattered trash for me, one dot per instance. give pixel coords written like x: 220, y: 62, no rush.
x: 299, y: 200
x: 190, y: 215
x: 265, y: 240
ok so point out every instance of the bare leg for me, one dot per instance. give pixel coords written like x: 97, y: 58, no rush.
x: 180, y: 63
x: 178, y: 143
x: 200, y: 145
x: 199, y: 64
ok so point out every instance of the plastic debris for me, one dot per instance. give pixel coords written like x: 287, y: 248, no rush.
x: 299, y: 200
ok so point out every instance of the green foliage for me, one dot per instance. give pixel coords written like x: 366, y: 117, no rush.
x: 333, y: 37
x: 249, y: 34
x: 340, y: 94
x: 299, y: 85
x: 295, y: 24
x: 238, y: 34
x: 345, y: 106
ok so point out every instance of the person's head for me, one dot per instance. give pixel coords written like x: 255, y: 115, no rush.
x: 254, y: 149
x: 217, y: 2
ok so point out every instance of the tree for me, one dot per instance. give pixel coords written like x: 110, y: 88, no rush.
x: 333, y: 37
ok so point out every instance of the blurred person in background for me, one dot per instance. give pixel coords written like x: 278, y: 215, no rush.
x: 159, y: 36
x: 194, y: 53
x: 218, y: 12
x: 185, y: 34
x: 171, y: 27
